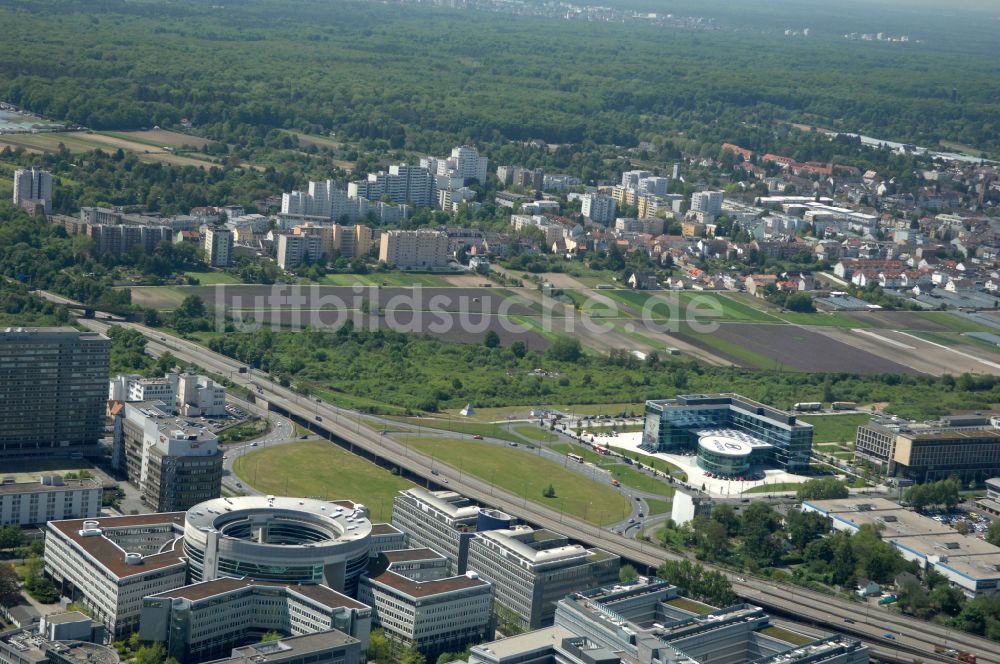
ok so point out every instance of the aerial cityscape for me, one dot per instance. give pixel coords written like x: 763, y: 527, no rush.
x: 499, y: 332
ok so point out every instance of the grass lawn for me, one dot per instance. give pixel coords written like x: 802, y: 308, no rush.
x: 656, y: 464
x: 527, y: 475
x: 658, y: 506
x: 320, y: 469
x: 469, y: 428
x: 499, y: 413
x: 584, y: 451
x: 777, y: 486
x: 388, y: 279
x: 956, y: 322
x: 536, y: 433
x: 246, y: 431
x: 212, y: 277
x: 353, y: 402
x: 635, y: 479
x: 791, y: 637
x: 821, y: 318
x: 691, y: 605
x: 835, y: 428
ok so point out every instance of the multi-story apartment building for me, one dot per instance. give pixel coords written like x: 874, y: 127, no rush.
x: 533, y: 569
x: 402, y: 184
x: 441, y: 520
x: 33, y: 186
x: 968, y: 448
x: 729, y: 433
x: 630, y: 179
x: 532, y: 178
x: 599, y: 208
x: 219, y: 247
x: 174, y: 464
x: 296, y: 249
x: 206, y: 620
x: 707, y: 205
x: 112, y: 563
x: 653, y: 185
x: 409, y: 250
x: 50, y: 498
x: 52, y: 391
x: 630, y: 225
x: 415, y: 601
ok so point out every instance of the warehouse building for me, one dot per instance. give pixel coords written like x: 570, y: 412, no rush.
x: 968, y: 563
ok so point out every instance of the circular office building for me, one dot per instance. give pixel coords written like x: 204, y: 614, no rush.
x: 274, y: 538
x: 724, y: 455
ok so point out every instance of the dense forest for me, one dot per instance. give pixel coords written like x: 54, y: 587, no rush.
x: 424, y: 78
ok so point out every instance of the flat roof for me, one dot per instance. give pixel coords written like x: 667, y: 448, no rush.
x: 380, y: 572
x: 112, y: 556
x: 385, y: 529
x: 343, y: 520
x: 289, y: 648
x: 38, y: 487
x: 66, y: 617
x: 527, y: 642
x: 409, y: 555
x: 206, y: 589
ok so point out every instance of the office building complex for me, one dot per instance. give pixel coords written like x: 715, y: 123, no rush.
x: 416, y: 601
x: 26, y: 646
x: 968, y: 448
x: 33, y: 186
x: 532, y: 569
x: 330, y: 647
x: 647, y: 622
x: 410, y: 250
x: 174, y: 463
x: 190, y: 394
x: 52, y: 392
x: 279, y: 539
x: 969, y: 563
x: 132, y: 387
x: 599, y: 208
x: 445, y: 522
x: 111, y: 563
x: 206, y: 620
x: 297, y: 249
x: 707, y: 205
x: 731, y: 434
x: 219, y: 247
x: 51, y: 497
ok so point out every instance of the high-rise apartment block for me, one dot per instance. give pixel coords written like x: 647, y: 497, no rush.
x: 599, y: 208
x: 219, y: 247
x: 707, y: 205
x: 297, y: 249
x: 52, y: 391
x: 410, y: 250
x: 33, y: 186
x: 51, y: 497
x: 630, y: 179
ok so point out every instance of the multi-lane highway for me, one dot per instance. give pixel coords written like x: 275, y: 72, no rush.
x: 909, y: 639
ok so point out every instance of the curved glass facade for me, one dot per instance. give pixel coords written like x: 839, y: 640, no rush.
x: 723, y: 464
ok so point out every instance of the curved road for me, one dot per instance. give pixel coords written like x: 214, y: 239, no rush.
x: 912, y: 638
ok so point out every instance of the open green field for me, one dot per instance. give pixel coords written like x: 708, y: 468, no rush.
x: 730, y: 349
x: 212, y: 277
x: 831, y: 319
x: 635, y: 479
x: 470, y: 429
x: 388, y: 279
x: 322, y: 470
x: 835, y: 428
x: 536, y: 433
x: 585, y: 452
x: 527, y: 475
x: 777, y: 486
x: 654, y: 463
x: 493, y: 414
x: 658, y: 506
x: 956, y: 322
x: 161, y: 298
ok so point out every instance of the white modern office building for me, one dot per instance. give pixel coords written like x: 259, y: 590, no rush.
x: 533, y: 569
x: 416, y: 601
x: 444, y: 521
x: 50, y: 498
x: 206, y: 620
x: 275, y: 538
x: 112, y: 563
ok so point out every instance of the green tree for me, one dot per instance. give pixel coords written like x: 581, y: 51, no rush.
x: 758, y: 525
x: 565, y: 349
x: 192, y: 307
x: 824, y: 488
x: 11, y: 537
x: 993, y: 533
x: 627, y: 573
x: 491, y: 339
x: 804, y: 527
x: 270, y: 636
x: 10, y: 585
x: 380, y: 648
